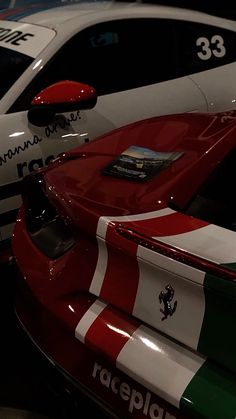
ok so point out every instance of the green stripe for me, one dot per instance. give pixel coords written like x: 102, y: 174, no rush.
x: 230, y: 266
x: 218, y: 335
x: 211, y: 394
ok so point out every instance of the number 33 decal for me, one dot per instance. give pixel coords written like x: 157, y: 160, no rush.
x: 215, y: 47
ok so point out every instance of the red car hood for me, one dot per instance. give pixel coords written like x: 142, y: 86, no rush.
x: 79, y: 188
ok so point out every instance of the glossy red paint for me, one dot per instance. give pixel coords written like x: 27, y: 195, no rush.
x: 76, y: 186
x: 55, y: 294
x: 49, y: 310
x: 115, y: 279
x: 81, y: 364
x: 111, y: 330
x: 53, y: 272
x: 65, y: 92
x: 84, y: 186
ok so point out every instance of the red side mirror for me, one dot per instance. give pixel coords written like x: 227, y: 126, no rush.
x: 63, y: 96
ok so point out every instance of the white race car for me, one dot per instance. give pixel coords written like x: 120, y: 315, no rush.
x: 142, y: 60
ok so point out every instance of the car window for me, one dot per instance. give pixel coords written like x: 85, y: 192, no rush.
x: 112, y: 56
x: 201, y: 47
x: 215, y: 202
x: 125, y: 54
x: 12, y: 65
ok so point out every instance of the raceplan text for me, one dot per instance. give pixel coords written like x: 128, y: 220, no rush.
x: 135, y: 399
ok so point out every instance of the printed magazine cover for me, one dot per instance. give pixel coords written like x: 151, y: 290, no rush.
x: 140, y: 163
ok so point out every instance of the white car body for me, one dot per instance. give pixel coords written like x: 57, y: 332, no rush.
x: 40, y: 34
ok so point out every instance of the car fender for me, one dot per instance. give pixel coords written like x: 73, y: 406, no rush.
x: 224, y: 96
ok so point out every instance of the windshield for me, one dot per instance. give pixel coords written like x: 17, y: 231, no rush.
x: 12, y: 65
x: 20, y: 44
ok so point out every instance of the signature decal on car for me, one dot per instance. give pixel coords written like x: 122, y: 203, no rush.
x: 48, y: 131
x: 136, y: 400
x: 166, y: 297
x: 19, y: 149
x: 62, y: 123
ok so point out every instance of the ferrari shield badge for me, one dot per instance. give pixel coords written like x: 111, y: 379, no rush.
x: 166, y: 298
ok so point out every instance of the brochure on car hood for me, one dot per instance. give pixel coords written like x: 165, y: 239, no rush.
x: 140, y: 163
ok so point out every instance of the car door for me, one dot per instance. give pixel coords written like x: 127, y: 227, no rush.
x: 207, y: 54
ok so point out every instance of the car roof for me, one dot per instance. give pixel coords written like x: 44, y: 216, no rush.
x: 57, y: 14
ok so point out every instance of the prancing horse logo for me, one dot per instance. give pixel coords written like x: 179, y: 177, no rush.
x: 166, y: 298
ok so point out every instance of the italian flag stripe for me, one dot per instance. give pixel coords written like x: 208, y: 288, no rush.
x: 199, y: 387
x: 216, y: 339
x: 102, y: 228
x: 105, y: 330
x: 210, y: 394
x: 203, y: 317
x: 120, y: 271
x: 159, y: 364
x: 209, y: 242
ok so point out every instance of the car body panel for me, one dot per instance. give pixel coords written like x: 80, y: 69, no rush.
x: 180, y: 93
x: 84, y: 126
x: 147, y: 289
x: 208, y: 87
x: 25, y: 37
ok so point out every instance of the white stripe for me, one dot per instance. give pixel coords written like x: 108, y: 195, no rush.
x: 159, y: 364
x: 102, y: 226
x: 99, y: 274
x: 171, y: 265
x: 34, y: 38
x: 186, y: 322
x: 87, y: 320
x: 211, y: 242
x: 104, y: 221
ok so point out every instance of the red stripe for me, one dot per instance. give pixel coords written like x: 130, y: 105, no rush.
x: 122, y: 275
x: 12, y: 12
x: 109, y: 332
x: 121, y: 278
x: 175, y: 223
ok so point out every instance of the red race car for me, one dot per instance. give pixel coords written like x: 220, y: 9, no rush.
x: 126, y: 262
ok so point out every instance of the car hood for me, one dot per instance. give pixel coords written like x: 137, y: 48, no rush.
x: 163, y: 159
